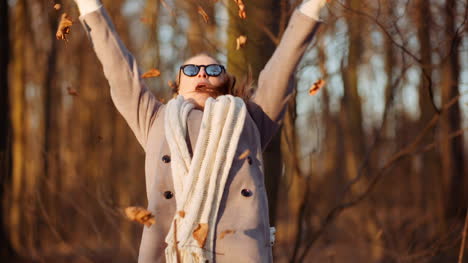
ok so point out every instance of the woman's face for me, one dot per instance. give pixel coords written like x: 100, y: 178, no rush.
x: 191, y: 87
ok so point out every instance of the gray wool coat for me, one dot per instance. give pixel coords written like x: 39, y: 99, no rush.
x: 243, y: 213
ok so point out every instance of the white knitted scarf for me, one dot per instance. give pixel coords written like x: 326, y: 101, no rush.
x: 199, y: 181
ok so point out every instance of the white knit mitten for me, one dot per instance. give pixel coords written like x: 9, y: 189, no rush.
x: 88, y: 6
x: 312, y: 8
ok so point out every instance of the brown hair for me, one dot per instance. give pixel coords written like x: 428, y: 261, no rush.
x: 243, y: 90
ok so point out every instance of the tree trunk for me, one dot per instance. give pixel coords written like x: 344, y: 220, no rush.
x: 17, y: 119
x: 354, y: 142
x: 292, y: 195
x: 452, y: 155
x: 49, y: 185
x: 429, y: 173
x: 151, y: 47
x: 6, y: 250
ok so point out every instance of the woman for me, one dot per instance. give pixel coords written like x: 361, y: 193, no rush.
x: 208, y: 197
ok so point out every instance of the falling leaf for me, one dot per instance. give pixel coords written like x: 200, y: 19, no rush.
x: 168, y: 8
x: 151, y: 73
x: 182, y: 213
x: 241, y: 40
x: 317, y: 86
x: 72, y: 91
x: 203, y: 14
x: 241, y: 6
x: 200, y: 234
x: 140, y: 215
x: 145, y: 20
x: 226, y: 232
x: 57, y: 6
x: 244, y: 154
x: 64, y: 27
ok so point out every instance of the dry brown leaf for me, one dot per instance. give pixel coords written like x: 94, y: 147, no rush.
x: 72, y: 91
x: 203, y: 14
x: 151, y: 73
x: 200, y: 233
x: 140, y: 215
x: 163, y: 2
x: 182, y: 213
x: 244, y: 154
x: 57, y: 6
x: 317, y: 86
x: 240, y: 42
x: 145, y: 20
x: 241, y: 6
x: 226, y: 232
x: 64, y: 27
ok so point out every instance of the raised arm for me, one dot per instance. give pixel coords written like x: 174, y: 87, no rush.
x: 129, y: 94
x: 267, y: 106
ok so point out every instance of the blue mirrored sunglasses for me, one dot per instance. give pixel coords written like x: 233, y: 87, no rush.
x: 212, y: 70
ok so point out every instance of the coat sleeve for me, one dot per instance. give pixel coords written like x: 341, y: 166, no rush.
x: 131, y: 97
x: 267, y: 106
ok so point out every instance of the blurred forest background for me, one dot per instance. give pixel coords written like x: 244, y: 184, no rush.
x: 373, y: 168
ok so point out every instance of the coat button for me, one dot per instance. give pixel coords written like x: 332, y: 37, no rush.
x: 246, y: 192
x: 249, y: 160
x: 166, y: 158
x: 168, y: 194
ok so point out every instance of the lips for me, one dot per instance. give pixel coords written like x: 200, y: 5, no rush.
x: 207, y: 88
x: 203, y: 85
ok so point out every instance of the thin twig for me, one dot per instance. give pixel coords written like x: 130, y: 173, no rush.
x: 300, y: 221
x: 384, y: 30
x: 450, y: 137
x: 270, y: 34
x: 462, y: 247
x: 375, y: 20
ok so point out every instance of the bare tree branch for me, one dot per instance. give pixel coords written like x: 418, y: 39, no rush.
x: 462, y: 247
x: 408, y: 150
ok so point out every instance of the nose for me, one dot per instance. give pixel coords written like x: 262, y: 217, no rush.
x: 202, y: 73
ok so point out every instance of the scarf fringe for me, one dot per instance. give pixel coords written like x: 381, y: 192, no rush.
x: 185, y: 255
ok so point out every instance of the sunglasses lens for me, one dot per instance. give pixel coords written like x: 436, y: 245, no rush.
x: 214, y: 70
x: 191, y: 70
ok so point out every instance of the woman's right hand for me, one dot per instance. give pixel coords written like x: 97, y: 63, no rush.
x: 88, y: 6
